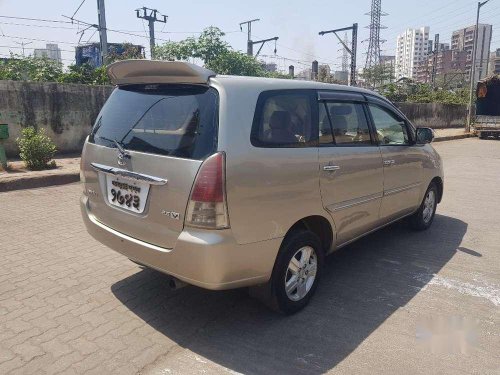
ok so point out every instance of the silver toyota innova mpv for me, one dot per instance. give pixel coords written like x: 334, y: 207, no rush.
x: 227, y: 182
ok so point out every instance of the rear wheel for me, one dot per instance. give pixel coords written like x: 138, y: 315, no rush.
x: 482, y: 135
x: 295, y: 275
x: 422, y: 219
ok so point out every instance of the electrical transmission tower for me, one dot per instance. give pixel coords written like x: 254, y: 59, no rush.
x: 373, y: 55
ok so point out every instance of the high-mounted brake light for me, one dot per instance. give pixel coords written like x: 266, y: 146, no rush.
x: 207, y: 207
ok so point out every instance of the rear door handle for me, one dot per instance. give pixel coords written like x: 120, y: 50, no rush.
x: 388, y: 163
x: 331, y: 168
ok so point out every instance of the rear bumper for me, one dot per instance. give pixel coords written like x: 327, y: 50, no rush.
x: 206, y: 258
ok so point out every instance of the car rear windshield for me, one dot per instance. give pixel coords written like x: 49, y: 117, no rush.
x: 169, y: 120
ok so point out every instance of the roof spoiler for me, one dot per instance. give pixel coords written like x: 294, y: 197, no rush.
x: 132, y: 72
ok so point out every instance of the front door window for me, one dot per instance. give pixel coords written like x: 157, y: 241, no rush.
x: 390, y: 129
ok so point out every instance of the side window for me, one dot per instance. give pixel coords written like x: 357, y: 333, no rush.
x: 348, y: 125
x: 283, y: 120
x: 390, y: 129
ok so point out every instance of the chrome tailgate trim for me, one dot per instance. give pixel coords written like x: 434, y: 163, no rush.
x: 128, y: 175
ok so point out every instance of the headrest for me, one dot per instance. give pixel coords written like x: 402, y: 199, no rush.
x: 341, y: 110
x: 280, y: 120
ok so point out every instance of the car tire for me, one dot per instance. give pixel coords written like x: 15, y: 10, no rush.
x: 482, y: 135
x: 423, y: 218
x: 298, y: 266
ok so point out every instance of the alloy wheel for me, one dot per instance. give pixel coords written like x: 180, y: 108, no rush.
x: 301, y: 273
x: 429, y: 203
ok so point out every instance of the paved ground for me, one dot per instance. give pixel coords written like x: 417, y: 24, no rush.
x: 395, y: 302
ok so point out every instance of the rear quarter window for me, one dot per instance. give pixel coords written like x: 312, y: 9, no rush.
x: 168, y: 120
x: 283, y: 119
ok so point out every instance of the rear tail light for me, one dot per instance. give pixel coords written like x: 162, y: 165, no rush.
x: 207, y: 207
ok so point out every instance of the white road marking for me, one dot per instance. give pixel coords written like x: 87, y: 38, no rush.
x: 481, y: 290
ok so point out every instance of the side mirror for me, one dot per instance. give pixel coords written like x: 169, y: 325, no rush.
x: 424, y: 135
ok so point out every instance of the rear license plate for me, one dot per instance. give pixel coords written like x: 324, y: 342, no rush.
x: 126, y: 194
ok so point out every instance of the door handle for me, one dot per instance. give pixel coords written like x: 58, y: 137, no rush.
x: 388, y: 163
x: 331, y: 168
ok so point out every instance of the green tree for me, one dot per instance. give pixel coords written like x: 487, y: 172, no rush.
x: 414, y: 92
x: 129, y: 52
x: 85, y: 74
x: 215, y: 54
x: 378, y: 75
x: 235, y: 63
x: 19, y: 68
x: 324, y: 75
x: 206, y: 47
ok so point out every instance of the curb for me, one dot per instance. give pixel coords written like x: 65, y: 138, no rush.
x: 453, y: 137
x: 33, y: 182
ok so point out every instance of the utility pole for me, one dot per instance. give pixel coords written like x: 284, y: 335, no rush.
x: 151, y: 15
x: 352, y: 51
x: 473, y: 67
x: 261, y: 42
x: 249, y: 38
x: 103, y: 36
x: 22, y: 44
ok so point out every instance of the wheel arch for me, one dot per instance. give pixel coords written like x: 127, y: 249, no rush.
x: 317, y: 224
x: 439, y: 183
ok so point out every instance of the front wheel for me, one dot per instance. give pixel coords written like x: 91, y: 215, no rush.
x: 422, y: 219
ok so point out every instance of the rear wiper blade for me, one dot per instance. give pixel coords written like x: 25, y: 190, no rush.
x: 117, y: 144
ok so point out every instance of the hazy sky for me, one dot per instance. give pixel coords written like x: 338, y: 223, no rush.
x: 297, y: 23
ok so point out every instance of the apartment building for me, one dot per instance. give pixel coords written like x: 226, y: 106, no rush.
x: 463, y: 40
x: 51, y: 52
x: 412, y: 48
x: 447, y: 62
x: 494, y: 64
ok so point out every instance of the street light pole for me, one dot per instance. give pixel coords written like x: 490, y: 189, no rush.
x: 473, y: 68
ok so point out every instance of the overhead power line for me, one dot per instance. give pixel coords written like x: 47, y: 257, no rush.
x: 42, y: 26
x: 39, y: 40
x: 77, y: 9
x: 36, y: 19
x: 16, y: 47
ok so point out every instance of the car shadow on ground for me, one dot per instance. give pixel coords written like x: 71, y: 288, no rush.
x: 364, y: 284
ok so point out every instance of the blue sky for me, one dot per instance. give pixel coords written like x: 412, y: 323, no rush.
x: 297, y: 23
